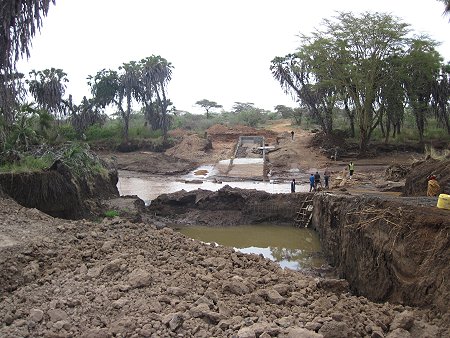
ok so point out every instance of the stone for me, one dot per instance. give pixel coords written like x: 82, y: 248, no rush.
x: 96, y: 333
x: 94, y: 272
x: 282, y: 288
x: 57, y: 314
x: 298, y: 332
x: 399, y: 333
x: 114, y: 265
x: 139, y: 278
x: 334, y: 329
x: 334, y: 285
x: 176, y: 291
x: 246, y: 332
x: 173, y: 320
x: 36, y: 315
x: 403, y: 320
x: 274, y: 297
x: 235, y: 287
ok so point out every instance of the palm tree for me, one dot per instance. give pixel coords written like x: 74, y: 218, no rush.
x: 447, y: 6
x: 156, y: 74
x: 129, y: 88
x: 48, y: 88
x: 19, y: 22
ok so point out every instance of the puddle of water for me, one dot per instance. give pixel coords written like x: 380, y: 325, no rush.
x: 292, y: 248
x: 148, y: 187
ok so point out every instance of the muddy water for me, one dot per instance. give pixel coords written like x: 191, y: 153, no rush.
x: 290, y: 247
x: 148, y: 187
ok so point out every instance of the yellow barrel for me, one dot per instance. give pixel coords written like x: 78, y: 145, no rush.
x: 444, y: 201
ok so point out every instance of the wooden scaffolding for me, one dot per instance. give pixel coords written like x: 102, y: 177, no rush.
x: 304, y: 215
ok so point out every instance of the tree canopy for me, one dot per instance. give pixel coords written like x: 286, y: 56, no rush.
x: 367, y: 64
x: 208, y: 105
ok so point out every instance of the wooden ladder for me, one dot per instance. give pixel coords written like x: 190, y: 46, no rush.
x: 304, y: 215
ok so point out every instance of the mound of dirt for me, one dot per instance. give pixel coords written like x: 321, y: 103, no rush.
x: 116, y: 278
x: 416, y: 181
x: 396, y: 172
x: 191, y: 146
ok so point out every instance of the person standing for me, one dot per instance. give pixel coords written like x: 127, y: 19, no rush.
x: 326, y: 177
x: 433, y: 186
x: 351, y: 168
x: 311, y: 183
x: 317, y: 181
x: 293, y: 185
x: 292, y: 135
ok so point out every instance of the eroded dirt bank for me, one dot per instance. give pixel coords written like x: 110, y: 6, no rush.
x: 115, y: 278
x: 394, y: 250
x: 227, y: 206
x: 58, y: 192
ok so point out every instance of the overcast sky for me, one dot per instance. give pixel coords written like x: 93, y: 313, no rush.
x: 220, y: 49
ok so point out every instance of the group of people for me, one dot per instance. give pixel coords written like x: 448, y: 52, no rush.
x: 315, y: 183
x: 315, y: 179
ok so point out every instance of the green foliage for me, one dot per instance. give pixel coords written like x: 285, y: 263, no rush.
x: 81, y: 161
x: 65, y: 132
x: 97, y: 132
x: 365, y: 67
x: 28, y: 163
x: 112, y: 213
x: 208, y: 105
x: 197, y: 123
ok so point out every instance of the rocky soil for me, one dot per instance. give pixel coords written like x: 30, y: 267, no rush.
x: 116, y: 278
x: 132, y: 277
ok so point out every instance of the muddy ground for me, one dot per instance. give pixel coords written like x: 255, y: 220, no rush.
x: 124, y: 278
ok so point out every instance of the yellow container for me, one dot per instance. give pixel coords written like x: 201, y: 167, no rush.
x: 444, y: 201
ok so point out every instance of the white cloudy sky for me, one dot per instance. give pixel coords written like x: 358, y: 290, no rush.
x: 220, y: 49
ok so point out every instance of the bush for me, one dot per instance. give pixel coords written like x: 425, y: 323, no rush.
x: 97, y: 132
x: 112, y: 213
x: 66, y: 132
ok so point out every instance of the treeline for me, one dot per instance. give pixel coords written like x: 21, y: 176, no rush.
x: 372, y: 69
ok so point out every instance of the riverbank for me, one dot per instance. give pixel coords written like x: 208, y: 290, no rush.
x: 78, y: 278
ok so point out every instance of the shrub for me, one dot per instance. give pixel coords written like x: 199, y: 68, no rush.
x: 112, y: 213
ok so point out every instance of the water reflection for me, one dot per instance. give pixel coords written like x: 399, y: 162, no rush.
x: 293, y: 248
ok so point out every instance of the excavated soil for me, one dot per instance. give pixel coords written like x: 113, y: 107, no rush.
x: 125, y: 278
x: 116, y: 278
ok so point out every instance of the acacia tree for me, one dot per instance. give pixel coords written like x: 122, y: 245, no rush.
x: 48, y: 88
x: 364, y: 44
x: 422, y: 63
x: 441, y: 96
x: 344, y: 61
x: 19, y: 22
x: 208, y: 105
x: 300, y: 76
